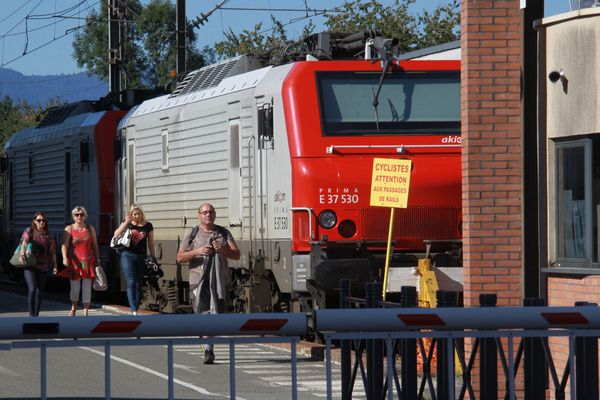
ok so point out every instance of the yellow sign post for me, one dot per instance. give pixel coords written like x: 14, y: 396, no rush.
x: 390, y: 182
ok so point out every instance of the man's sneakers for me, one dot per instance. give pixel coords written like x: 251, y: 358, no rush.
x: 209, y: 357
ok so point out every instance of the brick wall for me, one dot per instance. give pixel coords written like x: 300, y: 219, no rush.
x: 492, y: 155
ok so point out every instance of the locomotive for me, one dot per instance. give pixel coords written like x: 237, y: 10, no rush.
x: 283, y: 152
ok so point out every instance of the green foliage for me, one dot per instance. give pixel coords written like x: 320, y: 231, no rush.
x: 150, y: 51
x: 150, y: 54
x: 440, y: 26
x: 252, y: 42
x: 393, y: 21
x: 413, y: 31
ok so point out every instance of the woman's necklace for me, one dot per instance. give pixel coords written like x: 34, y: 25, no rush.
x: 78, y: 227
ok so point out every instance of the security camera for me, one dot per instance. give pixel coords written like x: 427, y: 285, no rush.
x: 555, y: 76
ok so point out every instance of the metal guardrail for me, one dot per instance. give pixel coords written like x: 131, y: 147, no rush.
x: 515, y: 338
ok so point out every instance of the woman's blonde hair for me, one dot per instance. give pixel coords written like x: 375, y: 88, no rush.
x: 79, y: 209
x: 136, y: 207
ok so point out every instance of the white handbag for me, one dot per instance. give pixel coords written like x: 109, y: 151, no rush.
x: 100, y: 282
x: 121, y: 242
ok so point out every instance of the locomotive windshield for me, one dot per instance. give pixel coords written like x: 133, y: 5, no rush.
x: 409, y: 103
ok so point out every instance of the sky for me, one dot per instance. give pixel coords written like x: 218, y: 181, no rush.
x: 34, y: 42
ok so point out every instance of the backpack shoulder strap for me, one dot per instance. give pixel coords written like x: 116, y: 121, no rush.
x: 222, y: 231
x: 193, y: 234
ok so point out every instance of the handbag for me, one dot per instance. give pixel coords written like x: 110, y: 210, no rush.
x: 121, y: 242
x: 30, y: 259
x: 100, y: 282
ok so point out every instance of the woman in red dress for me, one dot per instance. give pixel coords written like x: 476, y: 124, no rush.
x: 80, y: 256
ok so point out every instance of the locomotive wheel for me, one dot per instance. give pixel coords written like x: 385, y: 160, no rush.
x: 281, y: 302
x: 239, y: 293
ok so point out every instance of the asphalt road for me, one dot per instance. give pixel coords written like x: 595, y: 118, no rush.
x: 140, y: 372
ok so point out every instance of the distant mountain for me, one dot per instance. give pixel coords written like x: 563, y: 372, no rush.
x: 39, y: 89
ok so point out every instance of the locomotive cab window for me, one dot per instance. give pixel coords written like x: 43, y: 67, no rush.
x: 408, y: 102
x: 576, y: 204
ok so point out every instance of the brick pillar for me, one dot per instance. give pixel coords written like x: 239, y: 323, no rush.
x: 492, y: 150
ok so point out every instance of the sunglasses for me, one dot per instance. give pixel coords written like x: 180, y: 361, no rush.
x: 78, y: 214
x: 40, y: 220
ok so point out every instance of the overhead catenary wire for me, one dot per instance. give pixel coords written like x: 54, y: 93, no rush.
x: 16, y: 11
x: 63, y: 14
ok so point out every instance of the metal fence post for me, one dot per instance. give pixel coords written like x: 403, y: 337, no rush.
x: 374, y: 347
x: 444, y: 299
x: 369, y: 303
x: 408, y: 348
x: 586, y: 364
x: 534, y: 361
x: 345, y: 347
x: 378, y: 345
x: 488, y: 357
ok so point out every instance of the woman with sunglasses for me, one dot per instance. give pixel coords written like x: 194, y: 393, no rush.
x: 80, y: 256
x: 133, y: 258
x: 44, y: 248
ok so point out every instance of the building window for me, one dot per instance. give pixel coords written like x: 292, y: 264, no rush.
x: 577, y: 203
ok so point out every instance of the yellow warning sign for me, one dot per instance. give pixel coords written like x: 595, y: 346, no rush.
x: 390, y: 182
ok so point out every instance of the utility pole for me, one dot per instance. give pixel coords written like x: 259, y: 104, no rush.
x: 533, y: 284
x: 180, y: 21
x: 116, y: 18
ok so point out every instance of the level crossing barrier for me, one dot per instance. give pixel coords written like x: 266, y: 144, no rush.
x: 155, y: 330
x: 504, y: 337
x: 383, y: 336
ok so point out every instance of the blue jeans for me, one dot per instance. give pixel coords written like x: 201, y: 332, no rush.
x: 35, y: 284
x: 132, y: 265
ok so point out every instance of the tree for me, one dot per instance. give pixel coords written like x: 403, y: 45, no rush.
x: 150, y: 51
x: 251, y: 42
x: 440, y: 26
x: 395, y: 21
x: 90, y: 46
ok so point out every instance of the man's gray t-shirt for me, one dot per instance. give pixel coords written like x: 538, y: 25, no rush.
x: 196, y: 264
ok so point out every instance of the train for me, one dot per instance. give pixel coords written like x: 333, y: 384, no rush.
x: 284, y: 152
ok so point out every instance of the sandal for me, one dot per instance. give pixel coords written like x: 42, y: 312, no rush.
x: 72, y: 313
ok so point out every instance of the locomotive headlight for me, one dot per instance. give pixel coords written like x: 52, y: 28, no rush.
x: 327, y: 219
x: 347, y: 228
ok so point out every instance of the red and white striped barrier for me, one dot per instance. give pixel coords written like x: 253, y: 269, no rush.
x: 174, y: 325
x: 488, y: 318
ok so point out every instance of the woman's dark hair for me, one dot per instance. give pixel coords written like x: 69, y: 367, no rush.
x: 40, y: 214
